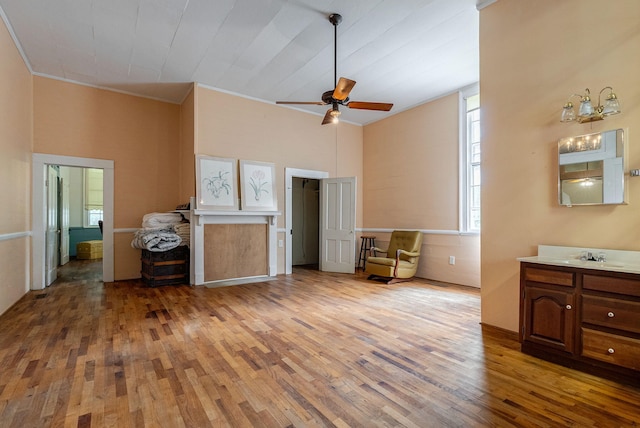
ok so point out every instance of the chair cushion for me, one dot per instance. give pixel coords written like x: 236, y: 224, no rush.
x: 385, y: 261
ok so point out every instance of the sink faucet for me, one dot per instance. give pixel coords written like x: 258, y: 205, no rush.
x: 590, y: 257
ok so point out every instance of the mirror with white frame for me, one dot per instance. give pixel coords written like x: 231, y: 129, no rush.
x: 591, y: 169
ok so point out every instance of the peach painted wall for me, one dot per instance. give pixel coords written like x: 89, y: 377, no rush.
x: 533, y: 56
x: 187, y: 138
x: 411, y: 181
x: 240, y: 128
x: 140, y: 135
x: 16, y: 88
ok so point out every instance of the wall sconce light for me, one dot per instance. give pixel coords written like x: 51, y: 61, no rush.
x: 587, y: 112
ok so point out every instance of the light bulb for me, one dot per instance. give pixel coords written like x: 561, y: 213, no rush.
x: 586, y: 108
x: 568, y: 114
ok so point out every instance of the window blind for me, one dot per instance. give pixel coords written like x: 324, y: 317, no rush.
x: 93, y: 189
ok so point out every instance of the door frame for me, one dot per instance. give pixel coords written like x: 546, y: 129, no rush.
x: 52, y: 224
x: 39, y: 206
x: 288, y: 183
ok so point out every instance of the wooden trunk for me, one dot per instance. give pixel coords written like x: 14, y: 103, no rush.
x: 165, y: 267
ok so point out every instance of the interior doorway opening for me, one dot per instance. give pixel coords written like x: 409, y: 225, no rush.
x: 336, y: 220
x: 299, y: 175
x: 79, y: 207
x: 40, y: 168
x: 305, y: 232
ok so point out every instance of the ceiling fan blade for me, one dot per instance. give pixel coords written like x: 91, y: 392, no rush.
x: 317, y: 103
x: 327, y: 117
x: 343, y: 88
x: 364, y: 105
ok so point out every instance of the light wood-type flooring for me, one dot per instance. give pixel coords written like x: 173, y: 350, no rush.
x: 304, y: 350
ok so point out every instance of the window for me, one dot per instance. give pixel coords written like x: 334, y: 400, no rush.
x: 470, y: 171
x: 93, y: 206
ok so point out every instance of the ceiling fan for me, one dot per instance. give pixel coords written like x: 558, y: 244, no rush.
x: 340, y: 94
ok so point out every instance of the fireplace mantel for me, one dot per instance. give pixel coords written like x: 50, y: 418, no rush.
x: 200, y: 218
x: 223, y: 217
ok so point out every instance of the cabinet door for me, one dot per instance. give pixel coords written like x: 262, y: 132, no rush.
x: 549, y: 318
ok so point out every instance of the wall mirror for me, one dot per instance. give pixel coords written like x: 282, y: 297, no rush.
x: 591, y: 169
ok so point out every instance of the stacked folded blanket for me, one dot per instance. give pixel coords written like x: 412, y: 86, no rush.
x: 183, y: 230
x: 155, y: 240
x: 161, y: 232
x: 160, y: 220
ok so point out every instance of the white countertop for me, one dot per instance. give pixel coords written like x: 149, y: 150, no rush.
x: 616, y: 260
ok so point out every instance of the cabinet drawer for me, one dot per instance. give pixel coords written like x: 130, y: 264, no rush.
x: 549, y: 276
x: 614, y: 313
x: 620, y: 350
x: 608, y: 284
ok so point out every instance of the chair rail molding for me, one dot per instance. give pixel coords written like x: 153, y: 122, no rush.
x: 15, y: 235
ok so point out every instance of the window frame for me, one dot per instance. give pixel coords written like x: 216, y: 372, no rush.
x: 466, y: 162
x: 86, y: 213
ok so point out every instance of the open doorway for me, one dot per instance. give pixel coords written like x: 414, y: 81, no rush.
x: 40, y: 178
x: 80, y: 213
x: 305, y: 232
x: 336, y: 220
x: 300, y: 175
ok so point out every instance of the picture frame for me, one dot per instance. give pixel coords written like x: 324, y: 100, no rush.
x: 216, y: 183
x: 258, y: 186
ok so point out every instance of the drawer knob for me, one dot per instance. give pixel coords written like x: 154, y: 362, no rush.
x: 611, y: 350
x: 611, y: 315
x: 568, y: 307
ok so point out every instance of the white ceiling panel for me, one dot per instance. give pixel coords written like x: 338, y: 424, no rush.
x: 126, y: 8
x: 401, y: 51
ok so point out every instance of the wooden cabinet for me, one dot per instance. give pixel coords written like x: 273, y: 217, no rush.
x: 583, y: 318
x: 550, y: 317
x: 611, y: 348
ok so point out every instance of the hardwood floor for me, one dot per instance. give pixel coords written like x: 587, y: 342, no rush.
x: 309, y: 349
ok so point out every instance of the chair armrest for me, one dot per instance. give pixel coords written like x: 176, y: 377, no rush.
x: 398, y: 252
x: 373, y: 250
x: 408, y: 253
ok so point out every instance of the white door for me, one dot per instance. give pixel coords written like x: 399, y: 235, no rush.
x: 63, y: 215
x: 51, y: 265
x: 337, y: 224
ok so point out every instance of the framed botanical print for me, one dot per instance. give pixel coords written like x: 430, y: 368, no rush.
x: 216, y: 183
x: 257, y: 186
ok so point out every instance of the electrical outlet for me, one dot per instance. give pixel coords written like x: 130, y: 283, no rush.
x: 280, y: 243
x: 452, y: 260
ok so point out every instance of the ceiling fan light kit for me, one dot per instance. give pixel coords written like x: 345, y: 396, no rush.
x: 342, y: 88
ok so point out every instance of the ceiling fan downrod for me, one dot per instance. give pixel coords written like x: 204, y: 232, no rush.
x: 335, y: 19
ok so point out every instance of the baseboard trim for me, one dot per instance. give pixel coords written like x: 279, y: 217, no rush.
x: 493, y: 330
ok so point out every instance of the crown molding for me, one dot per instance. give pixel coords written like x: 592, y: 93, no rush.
x: 481, y: 4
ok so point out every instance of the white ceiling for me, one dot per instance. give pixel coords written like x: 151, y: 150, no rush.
x: 405, y: 52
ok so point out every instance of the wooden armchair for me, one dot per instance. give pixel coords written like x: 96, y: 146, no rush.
x: 400, y: 262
